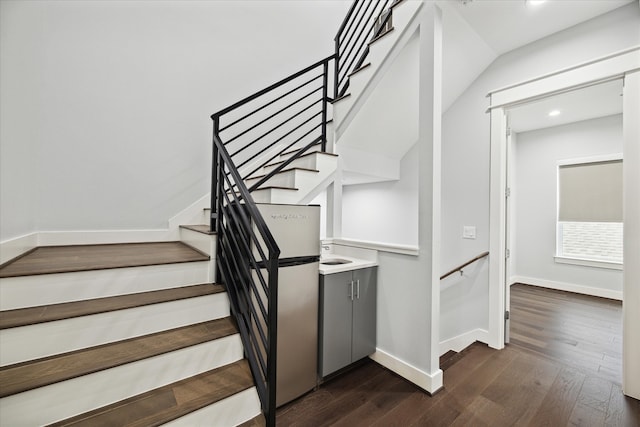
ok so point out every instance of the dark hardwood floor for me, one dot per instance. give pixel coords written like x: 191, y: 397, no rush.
x: 562, y: 368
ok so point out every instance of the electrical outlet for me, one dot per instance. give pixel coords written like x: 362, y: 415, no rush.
x: 469, y: 232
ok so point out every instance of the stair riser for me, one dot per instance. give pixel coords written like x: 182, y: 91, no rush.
x: 232, y: 411
x: 313, y: 149
x: 28, y: 291
x: 203, y: 242
x: 286, y: 179
x: 46, y: 339
x: 63, y: 400
x: 308, y: 184
x: 306, y: 162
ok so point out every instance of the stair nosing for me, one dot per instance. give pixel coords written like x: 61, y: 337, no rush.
x: 284, y: 171
x: 120, y: 301
x: 192, y: 227
x: 286, y: 153
x: 304, y: 155
x: 357, y: 70
x: 123, y: 357
x: 380, y: 36
x: 346, y: 95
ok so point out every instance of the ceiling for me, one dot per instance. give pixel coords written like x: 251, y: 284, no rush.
x: 508, y: 24
x: 601, y: 100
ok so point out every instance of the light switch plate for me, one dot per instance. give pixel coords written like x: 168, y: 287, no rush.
x: 469, y: 232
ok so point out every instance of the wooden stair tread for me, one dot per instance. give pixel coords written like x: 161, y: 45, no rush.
x: 283, y: 171
x: 169, y: 402
x: 65, y: 259
x: 41, y: 372
x: 200, y: 228
x: 48, y: 313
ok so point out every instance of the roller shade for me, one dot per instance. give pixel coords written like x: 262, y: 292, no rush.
x: 591, y: 192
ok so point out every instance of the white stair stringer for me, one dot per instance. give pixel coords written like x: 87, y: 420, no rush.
x: 29, y: 291
x: 78, y: 395
x: 381, y: 55
x: 30, y: 342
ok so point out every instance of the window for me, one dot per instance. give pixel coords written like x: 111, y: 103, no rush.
x: 590, y: 227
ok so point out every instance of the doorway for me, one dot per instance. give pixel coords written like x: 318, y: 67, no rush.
x: 614, y: 67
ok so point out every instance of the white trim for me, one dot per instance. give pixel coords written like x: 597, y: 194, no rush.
x: 593, y: 72
x: 591, y: 159
x: 429, y: 382
x: 193, y: 214
x: 564, y: 70
x: 378, y: 246
x: 9, y: 249
x: 463, y: 341
x: 612, y: 265
x: 625, y: 64
x: 94, y: 237
x: 568, y: 287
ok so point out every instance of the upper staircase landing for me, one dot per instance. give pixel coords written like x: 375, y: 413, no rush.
x: 64, y: 259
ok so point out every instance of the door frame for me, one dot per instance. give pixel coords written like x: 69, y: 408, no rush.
x: 619, y: 65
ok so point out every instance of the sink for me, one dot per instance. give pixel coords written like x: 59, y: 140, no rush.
x: 335, y: 261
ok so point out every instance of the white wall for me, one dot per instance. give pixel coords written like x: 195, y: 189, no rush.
x: 384, y: 212
x: 105, y: 105
x: 466, y: 140
x: 538, y: 153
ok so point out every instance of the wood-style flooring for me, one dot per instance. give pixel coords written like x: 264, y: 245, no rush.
x: 560, y: 369
x: 63, y: 259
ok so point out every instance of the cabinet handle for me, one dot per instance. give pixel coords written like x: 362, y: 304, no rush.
x: 351, y: 290
x: 358, y: 289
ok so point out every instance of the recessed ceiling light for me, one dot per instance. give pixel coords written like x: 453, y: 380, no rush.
x: 554, y: 113
x: 534, y: 2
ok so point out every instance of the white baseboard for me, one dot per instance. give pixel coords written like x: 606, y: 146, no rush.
x: 462, y: 341
x: 96, y: 237
x: 429, y: 382
x: 193, y: 214
x: 569, y: 287
x: 9, y: 249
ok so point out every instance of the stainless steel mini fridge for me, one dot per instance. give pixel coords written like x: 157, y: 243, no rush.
x: 296, y: 230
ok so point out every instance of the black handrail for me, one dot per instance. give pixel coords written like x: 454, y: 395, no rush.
x: 352, y: 41
x: 247, y: 261
x: 460, y: 267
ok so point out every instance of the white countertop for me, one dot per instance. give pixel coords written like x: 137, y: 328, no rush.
x: 355, y: 264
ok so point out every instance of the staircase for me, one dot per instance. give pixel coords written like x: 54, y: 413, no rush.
x: 119, y: 334
x: 139, y: 334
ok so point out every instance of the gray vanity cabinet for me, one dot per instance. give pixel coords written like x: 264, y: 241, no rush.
x: 347, y: 318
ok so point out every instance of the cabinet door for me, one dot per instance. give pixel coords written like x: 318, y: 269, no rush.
x: 364, y: 313
x: 336, y: 309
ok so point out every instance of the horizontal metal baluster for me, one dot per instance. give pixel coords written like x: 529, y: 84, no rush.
x: 270, y: 103
x: 276, y: 128
x: 272, y: 116
x: 284, y: 136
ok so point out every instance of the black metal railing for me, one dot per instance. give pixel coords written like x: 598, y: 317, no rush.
x: 366, y: 20
x: 286, y: 116
x: 289, y: 116
x: 247, y: 262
